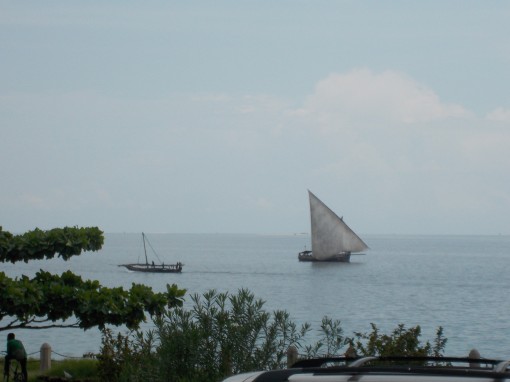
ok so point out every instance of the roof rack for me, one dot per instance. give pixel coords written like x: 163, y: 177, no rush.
x: 493, y: 369
x: 430, y: 361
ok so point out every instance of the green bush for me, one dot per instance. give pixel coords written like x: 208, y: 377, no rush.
x: 330, y: 342
x: 401, y: 342
x: 127, y: 357
x: 225, y: 334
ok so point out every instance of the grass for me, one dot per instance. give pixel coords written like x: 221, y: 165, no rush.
x: 79, y: 369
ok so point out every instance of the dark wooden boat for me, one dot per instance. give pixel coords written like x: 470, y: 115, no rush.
x: 151, y: 267
x: 156, y: 268
x: 343, y: 257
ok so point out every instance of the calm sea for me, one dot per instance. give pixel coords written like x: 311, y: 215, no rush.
x: 458, y: 282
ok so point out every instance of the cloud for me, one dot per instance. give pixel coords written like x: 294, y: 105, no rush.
x: 32, y: 200
x: 382, y: 142
x: 392, y: 145
x: 362, y: 97
x: 499, y: 115
x: 398, y: 123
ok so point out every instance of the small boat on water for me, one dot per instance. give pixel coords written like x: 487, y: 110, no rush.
x: 152, y: 268
x: 332, y: 239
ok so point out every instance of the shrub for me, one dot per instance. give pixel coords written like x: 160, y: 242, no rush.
x: 401, y: 342
x: 225, y: 334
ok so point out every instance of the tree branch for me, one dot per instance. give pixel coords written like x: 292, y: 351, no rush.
x: 24, y: 326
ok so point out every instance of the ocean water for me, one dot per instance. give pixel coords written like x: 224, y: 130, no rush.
x: 458, y: 282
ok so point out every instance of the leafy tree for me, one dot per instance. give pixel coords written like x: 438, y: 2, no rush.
x: 47, y: 300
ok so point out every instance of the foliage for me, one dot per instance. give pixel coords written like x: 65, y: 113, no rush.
x: 130, y: 357
x: 114, y: 355
x: 439, y: 343
x: 225, y: 334
x: 79, y: 369
x: 48, y: 300
x: 37, y: 244
x: 401, y: 342
x: 330, y: 341
x: 222, y: 334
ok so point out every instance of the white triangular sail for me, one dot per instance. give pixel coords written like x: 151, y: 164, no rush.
x: 330, y: 235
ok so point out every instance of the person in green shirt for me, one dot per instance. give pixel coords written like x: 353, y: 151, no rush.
x: 15, y: 350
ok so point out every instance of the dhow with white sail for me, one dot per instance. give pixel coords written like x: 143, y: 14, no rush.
x: 332, y: 239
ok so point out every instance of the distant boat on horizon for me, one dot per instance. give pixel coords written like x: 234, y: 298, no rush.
x: 332, y: 239
x: 152, y: 268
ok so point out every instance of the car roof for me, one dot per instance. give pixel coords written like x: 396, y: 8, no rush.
x: 244, y: 377
x: 385, y: 369
x: 372, y: 378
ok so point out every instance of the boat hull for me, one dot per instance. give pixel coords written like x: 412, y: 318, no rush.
x: 172, y: 268
x: 343, y: 257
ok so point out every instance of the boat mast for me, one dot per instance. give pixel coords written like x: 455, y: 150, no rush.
x: 145, y: 250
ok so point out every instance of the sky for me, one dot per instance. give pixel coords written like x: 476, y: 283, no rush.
x: 219, y: 116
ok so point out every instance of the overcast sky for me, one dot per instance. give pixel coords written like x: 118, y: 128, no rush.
x: 218, y: 116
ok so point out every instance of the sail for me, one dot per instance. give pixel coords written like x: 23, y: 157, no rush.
x: 330, y: 234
